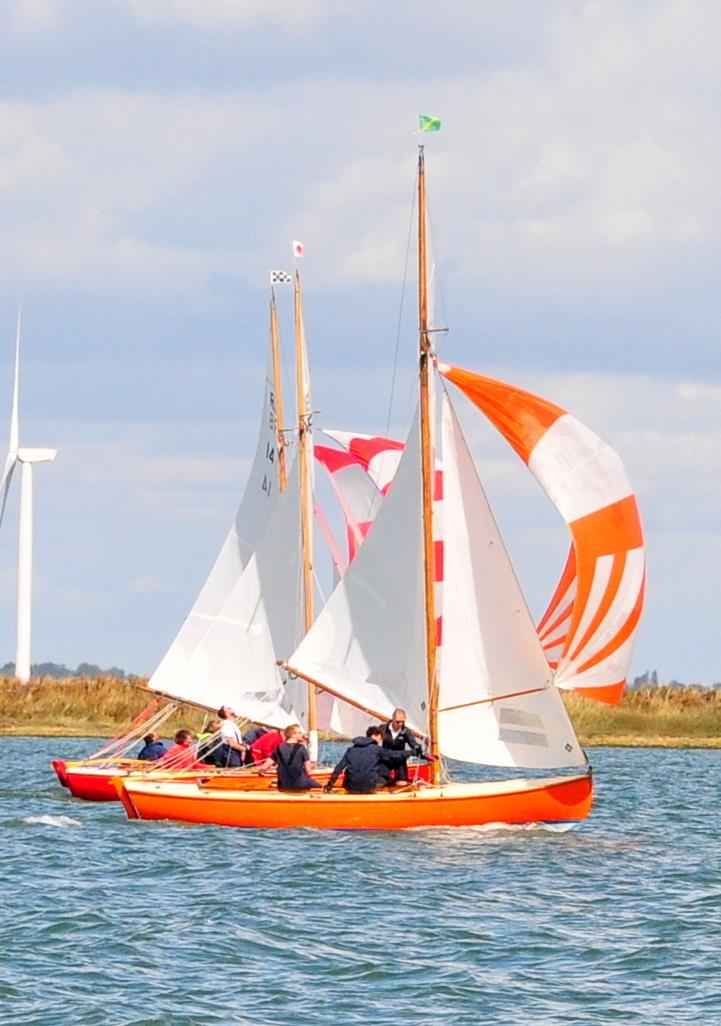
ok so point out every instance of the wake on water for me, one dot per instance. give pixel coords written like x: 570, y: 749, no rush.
x: 54, y: 821
x: 502, y: 828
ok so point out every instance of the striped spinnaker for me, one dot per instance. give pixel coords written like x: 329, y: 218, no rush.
x: 590, y: 625
x: 361, y: 473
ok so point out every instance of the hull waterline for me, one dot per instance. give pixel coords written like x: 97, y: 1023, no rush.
x: 520, y: 801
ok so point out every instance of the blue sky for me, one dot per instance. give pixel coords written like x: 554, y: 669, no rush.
x: 157, y: 158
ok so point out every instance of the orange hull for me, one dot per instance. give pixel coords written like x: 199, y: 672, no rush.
x: 548, y: 800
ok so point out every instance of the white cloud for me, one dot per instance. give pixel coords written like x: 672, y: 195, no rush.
x: 218, y: 15
x: 27, y: 16
x: 574, y: 171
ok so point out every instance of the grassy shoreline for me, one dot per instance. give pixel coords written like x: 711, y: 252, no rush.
x: 659, y: 717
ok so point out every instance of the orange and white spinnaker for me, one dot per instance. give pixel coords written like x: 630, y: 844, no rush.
x: 590, y: 625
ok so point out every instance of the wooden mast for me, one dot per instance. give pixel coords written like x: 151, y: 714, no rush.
x: 277, y: 390
x: 427, y: 471
x: 306, y: 499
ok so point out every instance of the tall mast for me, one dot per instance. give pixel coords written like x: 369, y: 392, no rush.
x: 306, y: 498
x: 427, y: 470
x: 277, y: 390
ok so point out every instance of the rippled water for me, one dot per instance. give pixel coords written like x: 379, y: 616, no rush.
x: 106, y: 922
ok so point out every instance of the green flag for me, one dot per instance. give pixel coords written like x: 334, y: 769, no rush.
x: 428, y: 123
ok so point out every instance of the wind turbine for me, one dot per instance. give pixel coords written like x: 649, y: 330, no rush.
x: 26, y: 458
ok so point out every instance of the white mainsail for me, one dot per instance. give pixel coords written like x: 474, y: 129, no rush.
x: 497, y: 704
x: 367, y: 645
x: 496, y: 701
x: 201, y: 648
x: 234, y: 660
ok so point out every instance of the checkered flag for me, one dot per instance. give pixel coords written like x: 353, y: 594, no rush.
x: 280, y: 278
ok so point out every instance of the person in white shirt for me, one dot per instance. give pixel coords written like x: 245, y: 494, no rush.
x: 231, y: 751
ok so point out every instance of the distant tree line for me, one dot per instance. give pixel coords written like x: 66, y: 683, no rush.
x: 59, y: 671
x: 649, y: 679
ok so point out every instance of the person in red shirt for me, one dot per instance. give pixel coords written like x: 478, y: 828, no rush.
x: 181, y: 755
x: 266, y: 744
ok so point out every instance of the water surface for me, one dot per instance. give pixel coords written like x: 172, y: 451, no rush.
x: 107, y: 922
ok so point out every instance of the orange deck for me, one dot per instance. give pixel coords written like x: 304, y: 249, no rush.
x: 547, y: 800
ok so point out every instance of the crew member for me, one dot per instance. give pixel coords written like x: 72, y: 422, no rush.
x: 265, y: 745
x: 367, y: 764
x: 396, y: 736
x: 292, y: 761
x: 209, y: 743
x: 231, y: 751
x: 249, y: 739
x: 152, y: 748
x: 181, y: 755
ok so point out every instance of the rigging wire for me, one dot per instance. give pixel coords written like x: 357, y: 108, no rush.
x: 118, y: 747
x: 400, y: 312
x: 319, y: 586
x: 439, y: 314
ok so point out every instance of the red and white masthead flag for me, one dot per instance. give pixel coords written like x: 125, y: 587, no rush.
x: 297, y: 248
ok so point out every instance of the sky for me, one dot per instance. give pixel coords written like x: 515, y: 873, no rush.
x: 157, y: 158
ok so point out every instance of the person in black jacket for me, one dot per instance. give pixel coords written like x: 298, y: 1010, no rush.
x: 396, y: 736
x: 367, y: 764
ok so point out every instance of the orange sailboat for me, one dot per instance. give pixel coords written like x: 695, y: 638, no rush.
x: 225, y: 650
x: 258, y: 598
x: 430, y: 617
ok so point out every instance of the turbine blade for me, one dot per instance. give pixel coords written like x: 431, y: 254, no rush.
x: 5, y: 485
x: 15, y: 408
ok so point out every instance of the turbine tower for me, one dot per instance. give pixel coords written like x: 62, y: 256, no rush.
x: 26, y: 458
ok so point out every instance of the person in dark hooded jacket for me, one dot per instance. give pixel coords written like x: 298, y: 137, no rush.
x: 367, y: 764
x: 152, y: 748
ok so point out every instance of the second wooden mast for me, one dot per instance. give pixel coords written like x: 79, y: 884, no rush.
x: 305, y: 457
x: 277, y: 391
x: 427, y: 472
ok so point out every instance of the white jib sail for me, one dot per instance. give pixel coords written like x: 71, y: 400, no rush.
x: 367, y: 645
x: 497, y: 704
x: 233, y: 662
